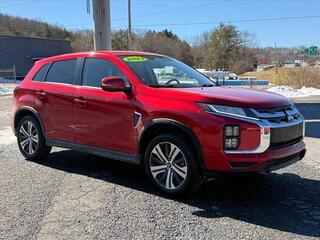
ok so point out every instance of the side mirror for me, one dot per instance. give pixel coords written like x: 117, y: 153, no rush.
x: 113, y: 84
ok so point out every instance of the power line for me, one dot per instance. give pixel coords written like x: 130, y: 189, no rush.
x: 174, y: 10
x: 226, y: 21
x: 201, y: 23
x: 159, y: 13
x: 18, y: 3
x: 182, y: 9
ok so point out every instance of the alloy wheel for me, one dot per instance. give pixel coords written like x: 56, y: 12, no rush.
x: 168, y: 165
x: 28, y: 137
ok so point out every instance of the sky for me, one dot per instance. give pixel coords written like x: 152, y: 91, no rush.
x: 297, y: 21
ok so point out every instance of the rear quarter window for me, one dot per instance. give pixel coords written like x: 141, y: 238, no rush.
x: 40, y: 75
x: 61, y: 71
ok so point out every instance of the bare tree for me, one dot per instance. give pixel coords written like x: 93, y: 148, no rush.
x: 82, y: 40
x: 164, y: 42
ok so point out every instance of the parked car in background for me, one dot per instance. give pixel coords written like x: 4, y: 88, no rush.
x: 155, y: 111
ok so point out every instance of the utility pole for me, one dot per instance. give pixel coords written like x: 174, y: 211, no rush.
x: 129, y: 25
x: 102, y: 25
x: 275, y: 47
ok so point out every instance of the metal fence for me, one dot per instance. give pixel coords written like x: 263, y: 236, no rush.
x: 9, y: 74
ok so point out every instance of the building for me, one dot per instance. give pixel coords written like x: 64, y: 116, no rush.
x: 20, y: 53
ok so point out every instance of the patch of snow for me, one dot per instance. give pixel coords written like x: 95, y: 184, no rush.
x: 5, y: 91
x: 293, y: 92
x: 5, y: 80
x: 7, y: 86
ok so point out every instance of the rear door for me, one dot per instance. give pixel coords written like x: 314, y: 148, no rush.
x: 102, y: 119
x: 54, y: 100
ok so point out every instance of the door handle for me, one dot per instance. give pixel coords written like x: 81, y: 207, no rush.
x: 80, y: 102
x: 41, y: 94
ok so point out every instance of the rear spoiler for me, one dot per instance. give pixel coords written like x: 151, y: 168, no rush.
x: 35, y: 59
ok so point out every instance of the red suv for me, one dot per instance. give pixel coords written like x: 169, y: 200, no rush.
x: 153, y: 110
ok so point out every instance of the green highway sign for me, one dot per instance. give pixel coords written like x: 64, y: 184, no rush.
x: 305, y: 51
x: 312, y: 51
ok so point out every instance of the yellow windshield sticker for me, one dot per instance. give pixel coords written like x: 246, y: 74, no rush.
x: 134, y: 59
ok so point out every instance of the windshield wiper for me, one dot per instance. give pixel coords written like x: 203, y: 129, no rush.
x: 207, y: 85
x: 162, y: 86
x: 180, y: 86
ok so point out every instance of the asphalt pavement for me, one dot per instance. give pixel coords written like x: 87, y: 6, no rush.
x: 73, y: 195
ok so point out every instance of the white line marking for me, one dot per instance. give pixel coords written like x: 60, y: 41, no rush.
x: 312, y: 120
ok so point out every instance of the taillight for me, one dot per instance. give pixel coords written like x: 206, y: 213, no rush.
x: 231, y: 136
x: 15, y: 91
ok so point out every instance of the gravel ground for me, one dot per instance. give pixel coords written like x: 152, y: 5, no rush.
x: 72, y: 195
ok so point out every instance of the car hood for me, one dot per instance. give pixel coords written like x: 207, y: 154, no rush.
x: 242, y: 97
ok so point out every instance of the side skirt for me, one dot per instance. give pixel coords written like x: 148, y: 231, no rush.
x: 120, y: 156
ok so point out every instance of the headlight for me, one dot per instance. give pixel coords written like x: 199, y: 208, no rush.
x: 228, y: 110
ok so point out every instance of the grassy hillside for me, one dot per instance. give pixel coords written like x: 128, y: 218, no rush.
x: 295, y: 77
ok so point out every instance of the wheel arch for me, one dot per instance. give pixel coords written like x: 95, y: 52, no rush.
x: 157, y: 126
x: 27, y: 111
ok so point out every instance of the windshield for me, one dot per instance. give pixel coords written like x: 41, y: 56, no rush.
x: 158, y: 71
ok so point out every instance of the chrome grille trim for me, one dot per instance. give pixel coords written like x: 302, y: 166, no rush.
x: 277, y: 115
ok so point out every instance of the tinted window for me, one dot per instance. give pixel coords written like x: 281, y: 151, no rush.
x: 61, y: 72
x: 95, y: 69
x: 41, y: 73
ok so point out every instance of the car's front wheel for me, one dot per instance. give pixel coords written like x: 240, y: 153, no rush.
x: 170, y: 165
x: 30, y: 139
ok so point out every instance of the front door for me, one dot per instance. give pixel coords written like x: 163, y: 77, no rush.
x: 102, y: 119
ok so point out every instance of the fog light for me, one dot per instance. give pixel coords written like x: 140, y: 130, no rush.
x: 231, y: 143
x: 228, y: 131
x: 231, y: 137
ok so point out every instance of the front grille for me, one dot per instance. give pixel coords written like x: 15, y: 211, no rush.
x: 285, y: 125
x: 277, y: 115
x: 285, y: 136
x: 285, y: 143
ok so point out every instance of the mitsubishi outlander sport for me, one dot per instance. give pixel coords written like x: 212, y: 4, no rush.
x: 155, y: 111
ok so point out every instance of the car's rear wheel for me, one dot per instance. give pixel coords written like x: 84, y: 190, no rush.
x: 30, y: 139
x: 171, y: 166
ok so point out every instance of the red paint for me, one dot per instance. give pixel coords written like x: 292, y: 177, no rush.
x: 104, y: 119
x: 113, y: 84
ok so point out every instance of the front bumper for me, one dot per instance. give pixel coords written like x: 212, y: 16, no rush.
x: 273, y: 151
x: 270, y: 160
x: 276, y: 164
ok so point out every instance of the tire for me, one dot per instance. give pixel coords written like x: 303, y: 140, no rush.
x: 171, y: 166
x: 30, y: 139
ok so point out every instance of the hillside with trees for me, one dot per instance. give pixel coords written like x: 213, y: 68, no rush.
x: 18, y: 26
